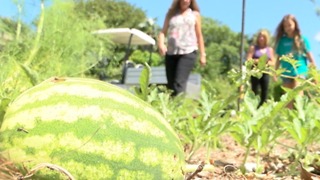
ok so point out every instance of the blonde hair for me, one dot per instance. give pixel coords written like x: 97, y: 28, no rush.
x: 265, y: 34
x: 175, y: 7
x: 297, y: 45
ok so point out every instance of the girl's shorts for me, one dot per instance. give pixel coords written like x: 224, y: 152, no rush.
x: 287, y: 80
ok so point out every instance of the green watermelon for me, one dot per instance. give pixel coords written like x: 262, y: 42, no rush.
x: 92, y: 129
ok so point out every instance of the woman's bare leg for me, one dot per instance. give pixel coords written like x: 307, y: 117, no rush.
x: 291, y: 85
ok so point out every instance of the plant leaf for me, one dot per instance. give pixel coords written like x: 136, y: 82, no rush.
x: 144, y: 81
x: 262, y: 62
x: 305, y: 175
x: 31, y: 74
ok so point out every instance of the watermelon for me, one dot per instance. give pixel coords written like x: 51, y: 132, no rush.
x: 92, y: 129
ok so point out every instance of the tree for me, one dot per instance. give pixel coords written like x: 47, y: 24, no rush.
x: 222, y: 47
x: 114, y: 13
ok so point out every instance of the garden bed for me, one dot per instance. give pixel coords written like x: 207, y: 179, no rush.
x: 226, y: 161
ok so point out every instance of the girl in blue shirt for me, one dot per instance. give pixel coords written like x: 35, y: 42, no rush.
x: 290, y: 42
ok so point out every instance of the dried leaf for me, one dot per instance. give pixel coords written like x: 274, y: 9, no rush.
x: 8, y: 170
x: 316, y: 167
x: 305, y: 175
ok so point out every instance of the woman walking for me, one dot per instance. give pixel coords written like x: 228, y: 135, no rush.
x: 179, y: 41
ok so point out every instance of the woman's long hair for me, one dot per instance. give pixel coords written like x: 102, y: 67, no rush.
x: 175, y: 7
x: 298, y: 44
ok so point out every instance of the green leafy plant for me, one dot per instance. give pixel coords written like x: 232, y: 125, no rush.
x: 143, y: 89
x: 141, y: 57
x: 212, y: 119
x: 260, y: 128
x: 303, y: 125
x: 199, y: 122
x: 255, y: 128
x: 50, y: 50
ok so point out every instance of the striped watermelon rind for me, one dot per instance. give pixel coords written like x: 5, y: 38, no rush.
x: 93, y: 129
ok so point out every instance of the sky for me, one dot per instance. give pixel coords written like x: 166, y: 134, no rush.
x: 258, y: 14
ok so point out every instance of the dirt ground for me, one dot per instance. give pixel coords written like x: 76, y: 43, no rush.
x: 225, y: 162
